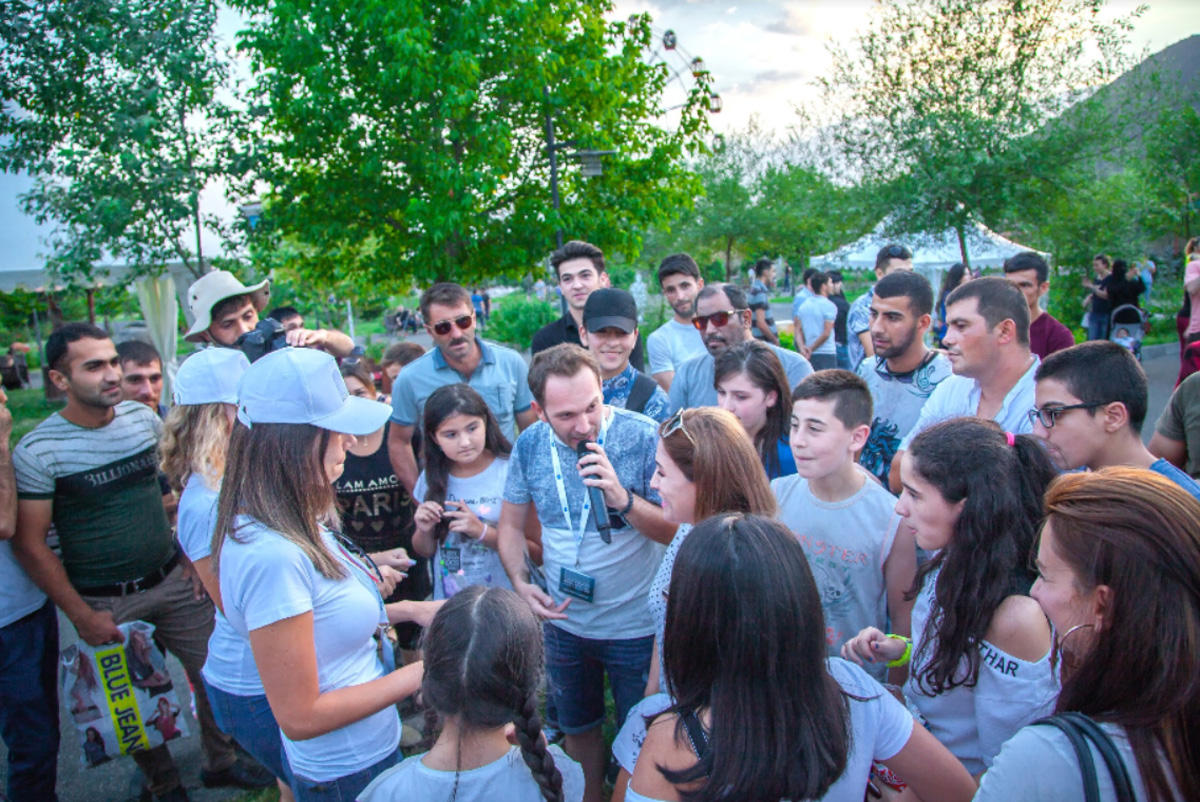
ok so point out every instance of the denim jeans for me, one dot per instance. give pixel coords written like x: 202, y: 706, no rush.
x: 576, y: 667
x: 843, y: 357
x: 343, y: 789
x: 250, y: 722
x: 29, y: 704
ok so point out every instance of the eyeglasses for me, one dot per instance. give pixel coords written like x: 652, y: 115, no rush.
x: 442, y: 327
x: 718, y: 319
x: 675, y: 424
x: 1049, y: 415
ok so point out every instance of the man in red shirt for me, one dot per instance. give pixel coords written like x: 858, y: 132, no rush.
x: 1029, y: 273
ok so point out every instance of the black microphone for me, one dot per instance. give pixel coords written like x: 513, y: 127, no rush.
x: 599, y: 508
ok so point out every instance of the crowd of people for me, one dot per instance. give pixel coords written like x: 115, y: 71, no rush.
x: 924, y: 553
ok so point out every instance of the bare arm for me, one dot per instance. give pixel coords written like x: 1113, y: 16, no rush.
x: 664, y: 378
x: 331, y: 340
x: 1192, y: 286
x: 930, y: 769
x: 899, y: 571
x: 868, y: 347
x: 47, y: 572
x: 8, y: 480
x: 798, y: 336
x: 647, y: 518
x: 526, y: 419
x: 1173, y: 451
x: 286, y: 655
x: 511, y: 546
x: 400, y: 452
x: 760, y: 322
x: 894, y: 474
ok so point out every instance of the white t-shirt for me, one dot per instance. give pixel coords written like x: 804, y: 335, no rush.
x: 958, y: 396
x: 879, y: 728
x: 973, y: 722
x: 508, y: 779
x: 266, y: 578
x: 814, y: 314
x: 1038, y: 764
x: 846, y: 543
x: 18, y: 595
x: 460, y: 560
x: 230, y: 664
x: 672, y: 344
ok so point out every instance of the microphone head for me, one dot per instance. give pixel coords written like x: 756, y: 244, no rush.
x: 582, y: 449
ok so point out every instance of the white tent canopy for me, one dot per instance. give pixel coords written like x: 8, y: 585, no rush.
x: 933, y: 254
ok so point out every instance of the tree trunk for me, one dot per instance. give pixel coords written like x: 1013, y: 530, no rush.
x: 962, y: 244
x: 728, y: 259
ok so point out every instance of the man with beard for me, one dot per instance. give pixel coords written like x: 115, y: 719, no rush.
x: 722, y: 317
x: 91, y: 470
x: 459, y: 355
x: 903, y: 372
x: 676, y: 341
x: 593, y: 598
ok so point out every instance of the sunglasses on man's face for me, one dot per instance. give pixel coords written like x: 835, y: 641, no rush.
x: 442, y: 327
x: 717, y: 319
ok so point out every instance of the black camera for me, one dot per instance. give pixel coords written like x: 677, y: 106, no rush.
x: 269, y: 335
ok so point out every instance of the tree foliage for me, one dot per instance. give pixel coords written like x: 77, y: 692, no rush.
x: 404, y: 141
x: 1171, y: 170
x: 114, y: 107
x: 943, y: 103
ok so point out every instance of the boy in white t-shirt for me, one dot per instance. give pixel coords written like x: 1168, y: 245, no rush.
x: 862, y: 558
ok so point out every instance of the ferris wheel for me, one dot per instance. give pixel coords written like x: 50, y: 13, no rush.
x: 685, y: 74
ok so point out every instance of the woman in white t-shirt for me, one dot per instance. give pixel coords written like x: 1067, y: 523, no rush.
x: 195, y: 438
x: 704, y: 464
x: 980, y: 652
x: 483, y: 666
x: 461, y: 491
x: 760, y: 712
x: 311, y: 609
x: 1119, y: 578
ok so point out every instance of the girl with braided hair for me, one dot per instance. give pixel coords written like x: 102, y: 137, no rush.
x: 483, y: 666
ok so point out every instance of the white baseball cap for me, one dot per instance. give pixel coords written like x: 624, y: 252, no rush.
x: 210, y: 376
x: 304, y: 385
x: 214, y: 287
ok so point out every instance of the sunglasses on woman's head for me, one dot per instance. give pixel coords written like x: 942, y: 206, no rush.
x: 442, y: 327
x: 675, y: 424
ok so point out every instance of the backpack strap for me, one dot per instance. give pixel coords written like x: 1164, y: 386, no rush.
x: 643, y: 389
x: 1108, y: 751
x: 1087, y: 766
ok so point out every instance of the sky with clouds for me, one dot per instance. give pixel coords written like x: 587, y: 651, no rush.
x: 764, y: 56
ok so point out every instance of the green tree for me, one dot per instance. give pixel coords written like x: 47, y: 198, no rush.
x: 804, y: 214
x: 1171, y: 170
x: 406, y: 141
x: 943, y: 104
x: 114, y: 108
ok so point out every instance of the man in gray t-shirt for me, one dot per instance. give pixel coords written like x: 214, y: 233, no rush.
x: 596, y: 579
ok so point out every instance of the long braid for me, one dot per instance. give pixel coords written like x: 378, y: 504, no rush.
x: 533, y: 750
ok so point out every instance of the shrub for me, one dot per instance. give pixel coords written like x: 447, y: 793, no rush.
x: 516, y: 318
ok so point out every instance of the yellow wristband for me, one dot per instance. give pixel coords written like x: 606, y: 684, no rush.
x: 902, y: 660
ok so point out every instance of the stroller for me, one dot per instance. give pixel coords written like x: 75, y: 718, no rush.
x: 1131, y: 320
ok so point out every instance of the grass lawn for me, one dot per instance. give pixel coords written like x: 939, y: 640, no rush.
x: 29, y: 408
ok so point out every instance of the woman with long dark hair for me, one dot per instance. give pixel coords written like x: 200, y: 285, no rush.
x: 759, y: 712
x: 483, y: 665
x: 310, y: 607
x: 461, y: 490
x: 1119, y: 579
x: 980, y: 652
x: 752, y: 384
x: 704, y: 465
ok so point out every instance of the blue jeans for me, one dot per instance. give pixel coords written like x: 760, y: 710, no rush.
x: 29, y: 704
x: 250, y: 722
x: 576, y: 666
x: 1098, y: 326
x: 843, y: 357
x: 343, y: 789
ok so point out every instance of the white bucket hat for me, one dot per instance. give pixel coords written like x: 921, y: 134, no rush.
x: 212, y: 288
x: 304, y: 385
x: 210, y: 376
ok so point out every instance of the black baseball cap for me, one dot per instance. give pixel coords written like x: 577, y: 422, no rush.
x: 610, y: 308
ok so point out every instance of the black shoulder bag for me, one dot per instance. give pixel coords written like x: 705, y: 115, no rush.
x: 1080, y: 730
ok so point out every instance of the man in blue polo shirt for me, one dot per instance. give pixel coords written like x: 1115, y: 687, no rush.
x: 497, y: 373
